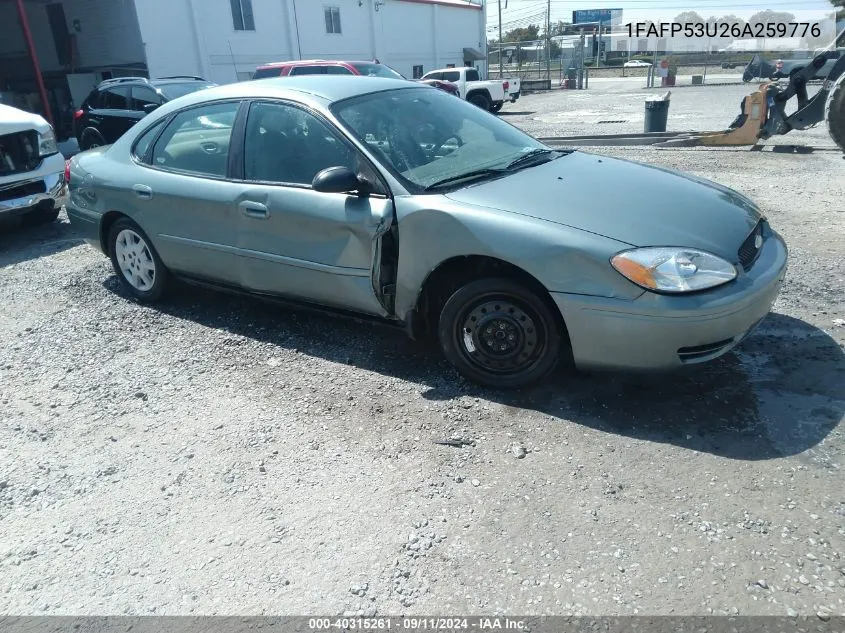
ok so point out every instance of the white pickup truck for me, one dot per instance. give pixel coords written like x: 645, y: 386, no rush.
x: 489, y: 95
x: 32, y: 171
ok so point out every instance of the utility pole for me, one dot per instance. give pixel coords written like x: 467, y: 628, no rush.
x: 549, y: 39
x: 501, y: 44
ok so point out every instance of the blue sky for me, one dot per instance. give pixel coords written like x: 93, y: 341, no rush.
x: 523, y: 12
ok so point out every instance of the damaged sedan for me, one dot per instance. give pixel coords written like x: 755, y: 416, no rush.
x: 384, y: 198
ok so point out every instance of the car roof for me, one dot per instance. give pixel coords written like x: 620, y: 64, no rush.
x: 325, y: 88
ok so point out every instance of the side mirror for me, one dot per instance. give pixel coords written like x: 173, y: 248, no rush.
x: 339, y: 180
x: 149, y: 107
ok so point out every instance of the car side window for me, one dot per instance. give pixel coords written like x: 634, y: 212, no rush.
x: 115, y: 98
x: 197, y: 140
x: 308, y: 70
x: 144, y: 143
x: 287, y: 145
x: 453, y: 75
x: 337, y: 70
x: 143, y: 96
x: 437, y: 76
x: 472, y: 75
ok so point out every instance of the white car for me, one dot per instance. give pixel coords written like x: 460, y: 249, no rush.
x: 636, y: 63
x: 32, y: 170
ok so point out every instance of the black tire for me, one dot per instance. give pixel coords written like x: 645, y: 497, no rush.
x: 91, y: 138
x: 40, y: 215
x: 835, y: 112
x: 493, y: 312
x: 145, y: 287
x: 480, y: 100
x: 496, y: 107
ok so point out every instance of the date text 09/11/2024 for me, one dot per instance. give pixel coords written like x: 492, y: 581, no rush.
x: 724, y: 29
x: 415, y: 624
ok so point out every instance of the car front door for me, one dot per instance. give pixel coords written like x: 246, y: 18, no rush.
x: 187, y: 205
x: 297, y: 242
x: 114, y: 116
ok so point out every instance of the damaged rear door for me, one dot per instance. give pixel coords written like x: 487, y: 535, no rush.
x: 318, y: 247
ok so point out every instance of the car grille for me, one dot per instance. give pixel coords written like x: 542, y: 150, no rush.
x: 18, y: 152
x: 749, y: 251
x: 32, y: 188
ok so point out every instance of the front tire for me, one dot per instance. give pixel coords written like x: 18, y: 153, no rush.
x: 499, y: 334
x: 136, y: 262
x: 41, y: 215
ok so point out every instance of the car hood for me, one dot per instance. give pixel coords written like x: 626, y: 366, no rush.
x: 638, y: 204
x: 14, y: 120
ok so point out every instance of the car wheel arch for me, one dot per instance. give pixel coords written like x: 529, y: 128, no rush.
x: 106, y: 222
x: 452, y: 273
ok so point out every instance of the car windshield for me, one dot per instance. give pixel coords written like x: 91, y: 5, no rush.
x: 426, y: 136
x: 174, y: 91
x: 377, y: 70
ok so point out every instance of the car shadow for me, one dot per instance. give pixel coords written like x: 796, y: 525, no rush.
x: 20, y: 242
x: 779, y: 394
x: 515, y: 112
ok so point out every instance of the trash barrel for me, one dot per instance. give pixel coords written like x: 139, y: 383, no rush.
x: 656, y: 114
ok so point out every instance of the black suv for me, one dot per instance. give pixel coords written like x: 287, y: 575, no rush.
x: 117, y: 104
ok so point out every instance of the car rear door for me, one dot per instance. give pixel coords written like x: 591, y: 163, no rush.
x: 186, y: 203
x: 294, y: 241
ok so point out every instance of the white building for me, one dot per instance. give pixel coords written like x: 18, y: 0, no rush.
x: 80, y: 42
x: 224, y: 40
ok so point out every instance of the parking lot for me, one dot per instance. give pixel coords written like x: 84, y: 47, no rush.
x: 222, y: 455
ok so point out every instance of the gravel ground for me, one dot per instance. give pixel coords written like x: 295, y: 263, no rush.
x: 221, y: 455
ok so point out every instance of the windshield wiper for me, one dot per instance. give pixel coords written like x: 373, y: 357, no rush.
x: 470, y: 175
x: 529, y: 157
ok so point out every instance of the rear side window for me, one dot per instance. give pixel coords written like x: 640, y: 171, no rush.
x: 472, y: 75
x: 197, y: 141
x: 338, y: 70
x: 145, y: 142
x: 262, y: 73
x: 115, y: 98
x: 308, y: 70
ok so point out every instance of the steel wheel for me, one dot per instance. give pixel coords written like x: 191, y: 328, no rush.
x: 135, y: 260
x: 500, y: 333
x: 500, y: 336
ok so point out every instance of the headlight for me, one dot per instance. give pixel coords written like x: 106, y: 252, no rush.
x: 47, y: 145
x: 673, y: 270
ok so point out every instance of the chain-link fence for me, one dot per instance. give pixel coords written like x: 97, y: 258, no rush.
x: 535, y: 61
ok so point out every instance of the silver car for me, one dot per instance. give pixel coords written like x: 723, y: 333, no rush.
x: 390, y: 199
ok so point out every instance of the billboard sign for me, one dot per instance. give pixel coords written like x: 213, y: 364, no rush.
x: 606, y: 16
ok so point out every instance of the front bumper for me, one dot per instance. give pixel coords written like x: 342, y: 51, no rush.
x: 658, y: 332
x: 42, y: 190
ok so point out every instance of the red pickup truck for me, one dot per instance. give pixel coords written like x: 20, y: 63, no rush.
x: 335, y: 67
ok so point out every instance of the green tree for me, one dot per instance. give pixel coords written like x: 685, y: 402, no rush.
x: 771, y: 17
x: 688, y: 17
x: 528, y: 33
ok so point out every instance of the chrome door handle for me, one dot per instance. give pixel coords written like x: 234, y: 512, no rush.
x: 143, y: 191
x: 254, y: 210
